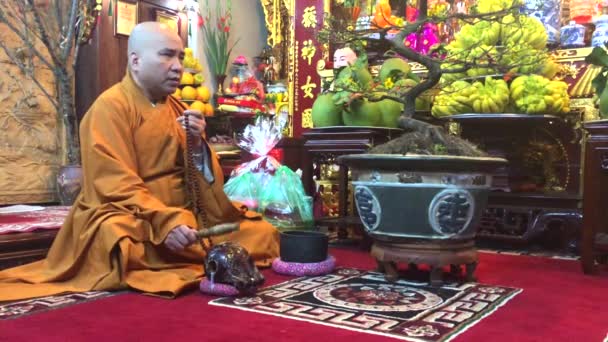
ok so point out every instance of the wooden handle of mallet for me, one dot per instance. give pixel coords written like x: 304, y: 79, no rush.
x: 219, y: 229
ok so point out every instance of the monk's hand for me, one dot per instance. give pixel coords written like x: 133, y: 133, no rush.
x: 180, y: 237
x: 196, y: 122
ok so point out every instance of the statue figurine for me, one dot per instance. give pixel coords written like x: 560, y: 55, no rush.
x: 270, y: 74
x: 344, y: 57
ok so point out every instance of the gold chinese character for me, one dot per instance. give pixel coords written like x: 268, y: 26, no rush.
x: 309, y: 18
x: 308, y: 87
x: 307, y: 118
x: 308, y: 51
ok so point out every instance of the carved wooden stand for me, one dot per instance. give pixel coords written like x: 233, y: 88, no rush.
x: 433, y: 253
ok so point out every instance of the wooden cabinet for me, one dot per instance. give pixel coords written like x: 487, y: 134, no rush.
x: 594, y: 242
x: 536, y: 198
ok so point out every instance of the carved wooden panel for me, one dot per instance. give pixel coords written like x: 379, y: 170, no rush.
x: 30, y: 144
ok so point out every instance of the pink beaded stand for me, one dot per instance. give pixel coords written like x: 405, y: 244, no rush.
x: 304, y: 269
x: 217, y: 289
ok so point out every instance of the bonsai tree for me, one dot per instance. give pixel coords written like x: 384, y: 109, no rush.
x: 495, y: 44
x: 49, y: 33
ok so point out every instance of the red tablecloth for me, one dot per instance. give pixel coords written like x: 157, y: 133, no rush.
x: 48, y: 218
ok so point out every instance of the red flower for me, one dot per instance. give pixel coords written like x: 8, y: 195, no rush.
x: 227, y: 29
x: 223, y: 19
x: 201, y: 21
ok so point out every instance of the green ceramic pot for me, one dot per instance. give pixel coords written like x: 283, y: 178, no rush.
x: 404, y: 198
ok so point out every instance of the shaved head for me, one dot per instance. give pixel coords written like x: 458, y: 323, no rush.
x: 147, y: 34
x: 155, y: 55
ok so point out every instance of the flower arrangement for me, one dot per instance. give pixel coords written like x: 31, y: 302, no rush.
x: 216, y: 31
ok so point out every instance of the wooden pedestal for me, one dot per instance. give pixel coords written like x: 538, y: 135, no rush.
x: 433, y: 253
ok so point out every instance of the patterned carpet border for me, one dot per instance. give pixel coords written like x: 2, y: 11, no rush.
x: 17, y: 309
x: 363, y: 301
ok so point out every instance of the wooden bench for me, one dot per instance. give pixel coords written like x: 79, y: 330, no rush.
x: 22, y: 248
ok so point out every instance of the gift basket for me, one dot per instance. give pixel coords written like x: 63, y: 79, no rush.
x: 266, y: 186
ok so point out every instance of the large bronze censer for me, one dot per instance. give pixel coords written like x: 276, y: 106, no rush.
x: 422, y: 209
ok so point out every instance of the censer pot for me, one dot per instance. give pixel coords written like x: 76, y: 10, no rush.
x: 396, y: 211
x: 421, y: 209
x: 420, y: 197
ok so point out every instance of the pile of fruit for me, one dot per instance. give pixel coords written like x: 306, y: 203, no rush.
x: 491, y: 96
x: 345, y: 105
x: 191, y: 91
x: 511, y: 47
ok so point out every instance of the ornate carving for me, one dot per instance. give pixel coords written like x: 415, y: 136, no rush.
x: 451, y: 211
x: 277, y: 18
x: 604, y: 161
x: 368, y: 207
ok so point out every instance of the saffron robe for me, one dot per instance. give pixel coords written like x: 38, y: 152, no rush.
x: 133, y: 194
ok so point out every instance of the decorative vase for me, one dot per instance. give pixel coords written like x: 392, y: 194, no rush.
x: 69, y: 183
x: 572, y: 35
x: 547, y: 12
x: 421, y: 209
x: 220, y: 84
x: 600, y: 35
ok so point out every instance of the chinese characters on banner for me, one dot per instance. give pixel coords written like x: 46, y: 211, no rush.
x: 308, y: 51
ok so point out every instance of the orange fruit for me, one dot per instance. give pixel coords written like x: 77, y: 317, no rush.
x: 198, y: 105
x: 177, y: 94
x: 189, y: 93
x: 208, y: 109
x: 235, y: 80
x: 203, y: 94
x: 187, y: 79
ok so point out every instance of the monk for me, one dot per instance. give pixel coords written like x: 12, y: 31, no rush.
x: 132, y: 226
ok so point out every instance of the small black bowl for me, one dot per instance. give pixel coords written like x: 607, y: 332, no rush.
x: 303, y: 246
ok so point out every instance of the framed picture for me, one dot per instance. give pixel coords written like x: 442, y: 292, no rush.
x: 125, y: 17
x: 172, y: 20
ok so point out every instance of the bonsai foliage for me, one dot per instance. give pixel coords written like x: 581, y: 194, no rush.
x: 495, y: 44
x: 49, y: 33
x: 599, y: 58
x: 491, y: 43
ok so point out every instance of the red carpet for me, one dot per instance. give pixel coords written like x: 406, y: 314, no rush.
x: 558, y: 303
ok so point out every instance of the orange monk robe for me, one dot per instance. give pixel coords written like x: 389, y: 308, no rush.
x: 133, y: 195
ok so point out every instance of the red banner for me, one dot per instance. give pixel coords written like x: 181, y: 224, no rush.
x: 307, y: 52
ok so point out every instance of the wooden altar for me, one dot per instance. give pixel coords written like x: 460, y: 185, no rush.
x: 594, y: 242
x: 321, y: 146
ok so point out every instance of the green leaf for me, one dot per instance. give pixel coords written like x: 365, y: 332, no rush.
x: 604, y: 101
x: 598, y: 56
x: 599, y: 83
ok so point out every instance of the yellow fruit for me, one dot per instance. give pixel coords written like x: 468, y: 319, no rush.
x: 235, y: 80
x: 208, y: 109
x: 198, y: 105
x: 177, y: 94
x: 203, y: 94
x: 198, y: 79
x: 189, y: 93
x: 187, y: 79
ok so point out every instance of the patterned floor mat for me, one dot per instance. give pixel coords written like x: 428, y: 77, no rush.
x: 11, y: 310
x: 363, y: 301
